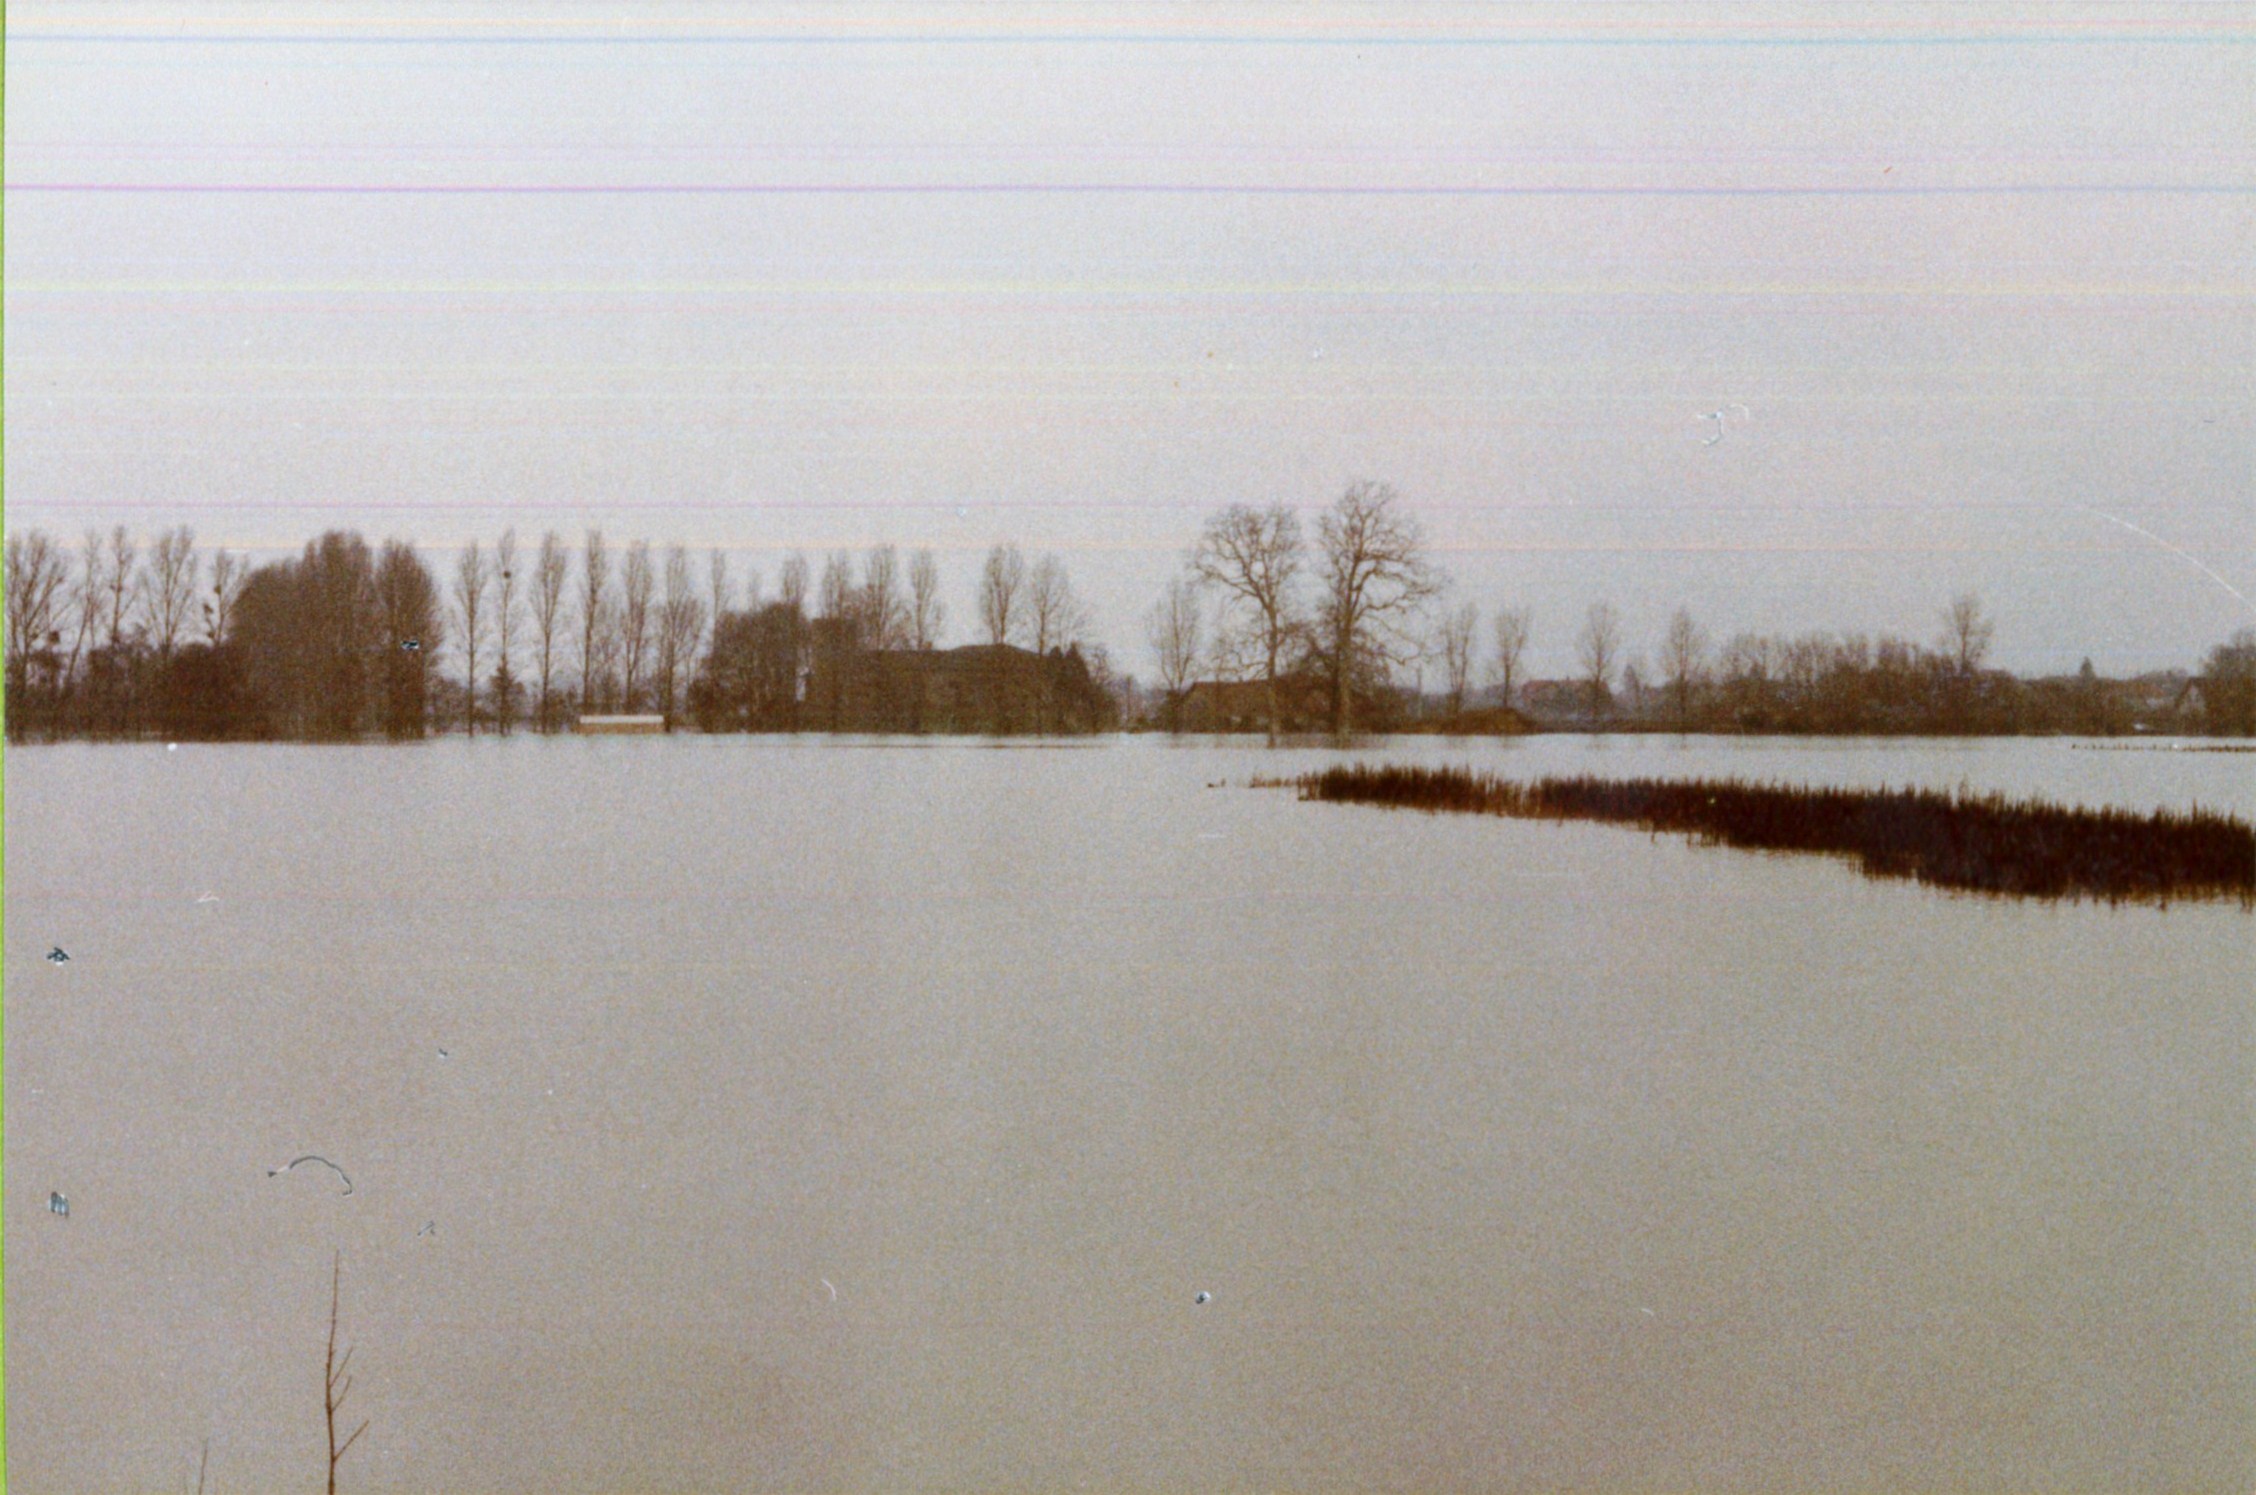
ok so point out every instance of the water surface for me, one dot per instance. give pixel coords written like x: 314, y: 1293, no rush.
x: 850, y: 1115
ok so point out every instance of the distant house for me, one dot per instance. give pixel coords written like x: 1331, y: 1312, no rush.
x: 980, y: 688
x: 2197, y: 702
x: 1303, y: 705
x: 606, y: 726
x: 1223, y: 706
x: 2162, y: 700
x: 1554, y: 701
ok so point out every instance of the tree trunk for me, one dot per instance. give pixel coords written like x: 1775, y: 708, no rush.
x: 1271, y: 678
x: 1342, y: 697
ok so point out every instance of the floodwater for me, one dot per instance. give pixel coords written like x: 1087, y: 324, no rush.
x: 730, y: 1114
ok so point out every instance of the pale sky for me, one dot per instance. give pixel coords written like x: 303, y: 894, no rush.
x: 1803, y: 319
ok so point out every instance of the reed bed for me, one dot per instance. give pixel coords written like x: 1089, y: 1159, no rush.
x: 2023, y: 848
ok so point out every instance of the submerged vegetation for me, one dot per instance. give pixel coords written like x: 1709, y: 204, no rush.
x: 1988, y: 843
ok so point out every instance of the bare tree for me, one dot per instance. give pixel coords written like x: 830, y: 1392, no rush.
x: 116, y: 609
x: 124, y: 583
x: 1173, y: 628
x: 1254, y: 556
x: 791, y: 684
x: 1599, y: 649
x: 1684, y: 651
x: 839, y: 633
x: 1002, y: 586
x: 1966, y: 633
x: 791, y: 582
x: 885, y: 603
x: 2228, y: 685
x: 927, y: 613
x: 1057, y: 618
x: 93, y: 587
x: 171, y: 589
x: 681, y: 619
x: 837, y: 598
x: 1457, y: 629
x: 37, y: 569
x: 506, y: 582
x: 1747, y: 663
x: 228, y: 572
x: 595, y: 610
x: 1633, y: 685
x: 1375, y: 579
x: 1514, y: 627
x: 638, y: 584
x: 1750, y: 656
x: 1053, y: 610
x: 716, y: 570
x: 470, y: 582
x: 1801, y: 665
x: 549, y: 575
x: 336, y: 1381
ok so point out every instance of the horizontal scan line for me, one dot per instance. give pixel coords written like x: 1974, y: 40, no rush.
x: 1125, y: 293
x: 1101, y: 189
x: 1667, y: 34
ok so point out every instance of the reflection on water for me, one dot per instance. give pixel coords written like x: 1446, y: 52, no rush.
x: 729, y: 1113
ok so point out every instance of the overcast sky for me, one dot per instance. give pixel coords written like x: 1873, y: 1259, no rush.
x: 1804, y: 323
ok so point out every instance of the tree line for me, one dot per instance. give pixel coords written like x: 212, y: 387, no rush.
x: 1323, y: 627
x: 1271, y: 625
x: 866, y: 655
x: 345, y: 640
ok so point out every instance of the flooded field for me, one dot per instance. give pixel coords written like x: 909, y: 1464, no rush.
x: 781, y: 1113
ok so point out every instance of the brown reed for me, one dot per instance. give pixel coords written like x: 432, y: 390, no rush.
x: 2026, y: 848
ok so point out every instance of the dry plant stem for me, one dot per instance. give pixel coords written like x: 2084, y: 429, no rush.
x: 336, y: 1385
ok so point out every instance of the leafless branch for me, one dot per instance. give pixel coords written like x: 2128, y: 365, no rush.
x: 1376, y: 582
x: 336, y: 1385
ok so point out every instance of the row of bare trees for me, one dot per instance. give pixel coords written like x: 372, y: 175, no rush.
x: 1343, y: 609
x: 638, y: 638
x: 1032, y: 607
x: 1762, y: 682
x: 90, y: 630
x: 1684, y: 671
x: 1259, y: 601
x: 111, y: 640
x: 1457, y: 642
x: 811, y: 662
x: 1813, y: 682
x: 116, y: 640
